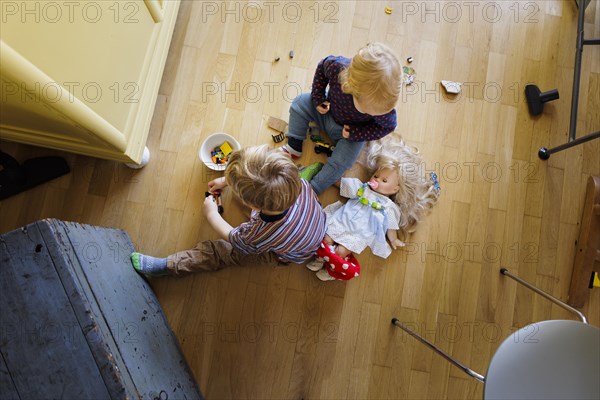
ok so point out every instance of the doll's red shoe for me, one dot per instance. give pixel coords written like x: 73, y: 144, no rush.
x: 337, y: 267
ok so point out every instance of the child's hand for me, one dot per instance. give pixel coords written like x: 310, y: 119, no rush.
x: 397, y: 243
x: 215, y: 186
x: 210, y: 206
x: 323, y: 108
x: 346, y: 131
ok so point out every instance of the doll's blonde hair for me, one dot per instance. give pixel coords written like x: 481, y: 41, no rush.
x: 374, y: 77
x: 264, y: 178
x: 417, y: 194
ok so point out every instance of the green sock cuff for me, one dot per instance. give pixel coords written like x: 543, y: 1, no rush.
x: 309, y: 172
x: 148, y: 265
x: 135, y: 260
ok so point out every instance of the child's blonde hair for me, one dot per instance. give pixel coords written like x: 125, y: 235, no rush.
x: 374, y: 76
x: 264, y: 178
x: 417, y: 194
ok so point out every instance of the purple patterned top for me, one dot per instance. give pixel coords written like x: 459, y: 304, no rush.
x: 363, y: 127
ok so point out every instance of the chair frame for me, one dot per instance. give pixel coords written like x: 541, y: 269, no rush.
x: 458, y: 364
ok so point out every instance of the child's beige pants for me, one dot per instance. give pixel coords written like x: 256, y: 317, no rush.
x: 213, y: 255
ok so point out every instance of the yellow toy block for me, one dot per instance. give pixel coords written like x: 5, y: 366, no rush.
x: 226, y: 148
x: 595, y: 279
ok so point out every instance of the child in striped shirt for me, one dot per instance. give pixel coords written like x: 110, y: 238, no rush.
x: 287, y: 222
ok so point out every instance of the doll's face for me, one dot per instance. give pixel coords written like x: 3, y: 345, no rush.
x: 385, y: 181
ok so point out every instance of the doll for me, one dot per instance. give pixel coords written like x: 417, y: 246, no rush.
x: 392, y: 201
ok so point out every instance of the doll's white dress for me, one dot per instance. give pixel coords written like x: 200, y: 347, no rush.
x: 356, y: 225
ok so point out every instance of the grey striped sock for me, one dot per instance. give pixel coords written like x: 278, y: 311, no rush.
x: 149, y: 265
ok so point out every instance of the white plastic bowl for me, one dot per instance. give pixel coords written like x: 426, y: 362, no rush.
x: 214, y: 140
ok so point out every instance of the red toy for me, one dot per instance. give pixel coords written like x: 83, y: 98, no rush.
x: 338, y: 267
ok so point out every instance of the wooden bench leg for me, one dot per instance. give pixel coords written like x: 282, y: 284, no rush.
x: 588, y: 245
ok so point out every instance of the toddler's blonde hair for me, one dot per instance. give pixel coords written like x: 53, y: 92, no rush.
x: 264, y: 178
x: 417, y: 194
x: 374, y: 76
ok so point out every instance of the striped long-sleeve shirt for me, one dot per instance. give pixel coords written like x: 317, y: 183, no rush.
x: 363, y: 127
x: 294, y: 236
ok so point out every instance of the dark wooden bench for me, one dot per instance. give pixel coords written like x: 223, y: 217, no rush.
x: 77, y: 322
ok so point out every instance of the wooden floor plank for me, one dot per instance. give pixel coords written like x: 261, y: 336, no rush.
x: 499, y: 205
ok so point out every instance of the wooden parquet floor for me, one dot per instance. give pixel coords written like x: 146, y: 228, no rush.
x: 261, y: 333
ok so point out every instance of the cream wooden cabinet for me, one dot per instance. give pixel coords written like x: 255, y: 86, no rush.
x: 83, y: 76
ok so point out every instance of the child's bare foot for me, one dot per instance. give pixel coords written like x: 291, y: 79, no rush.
x: 342, y: 251
x: 316, y: 264
x: 324, y: 275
